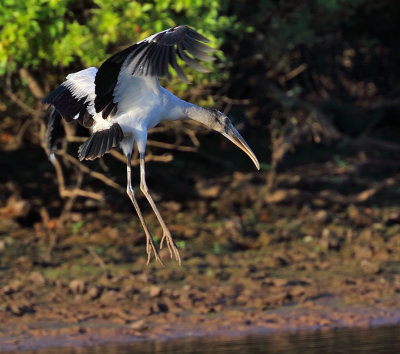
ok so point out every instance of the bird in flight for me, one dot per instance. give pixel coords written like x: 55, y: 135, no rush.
x: 123, y: 99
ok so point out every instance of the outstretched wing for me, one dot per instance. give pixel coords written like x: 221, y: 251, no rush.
x: 151, y: 57
x: 74, y: 98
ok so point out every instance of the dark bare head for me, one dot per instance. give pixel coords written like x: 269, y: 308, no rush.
x: 219, y: 122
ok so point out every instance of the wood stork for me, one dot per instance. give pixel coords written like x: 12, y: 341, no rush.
x: 123, y: 99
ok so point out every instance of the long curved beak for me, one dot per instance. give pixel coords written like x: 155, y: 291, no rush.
x: 233, y: 135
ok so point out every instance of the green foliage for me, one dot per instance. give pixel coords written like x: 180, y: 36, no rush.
x: 76, y: 226
x: 265, y: 166
x: 181, y: 244
x: 217, y: 248
x: 99, y: 250
x: 49, y: 33
x: 340, y: 162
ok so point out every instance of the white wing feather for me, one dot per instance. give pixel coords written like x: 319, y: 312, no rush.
x: 81, y: 84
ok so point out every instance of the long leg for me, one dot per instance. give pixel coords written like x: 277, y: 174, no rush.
x: 173, y: 250
x: 149, y: 239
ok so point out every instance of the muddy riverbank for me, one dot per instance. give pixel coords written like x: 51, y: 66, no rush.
x: 322, y: 251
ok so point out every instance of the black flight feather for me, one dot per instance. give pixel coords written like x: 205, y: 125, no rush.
x: 65, y: 103
x: 191, y: 46
x: 85, y: 118
x: 174, y: 64
x: 191, y: 62
x: 197, y: 36
x: 54, y: 131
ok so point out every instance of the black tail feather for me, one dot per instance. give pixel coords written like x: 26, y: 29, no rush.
x: 83, y: 149
x: 100, y: 143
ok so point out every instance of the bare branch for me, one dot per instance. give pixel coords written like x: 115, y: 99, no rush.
x: 171, y: 146
x: 91, y: 173
x: 32, y: 83
x: 77, y: 192
x: 76, y: 139
x: 235, y: 101
x: 193, y: 137
x: 116, y: 154
x: 22, y: 130
x: 157, y: 158
x: 69, y: 193
x: 13, y: 97
x: 378, y: 143
x: 148, y: 158
x: 296, y: 71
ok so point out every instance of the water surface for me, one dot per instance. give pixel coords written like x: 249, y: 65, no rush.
x: 379, y: 340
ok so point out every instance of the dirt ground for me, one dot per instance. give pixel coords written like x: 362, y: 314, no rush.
x: 322, y: 251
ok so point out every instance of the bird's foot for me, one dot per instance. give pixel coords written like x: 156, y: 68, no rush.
x: 151, y: 248
x: 172, y: 248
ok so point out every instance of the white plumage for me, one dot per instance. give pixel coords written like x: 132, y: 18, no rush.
x: 122, y: 100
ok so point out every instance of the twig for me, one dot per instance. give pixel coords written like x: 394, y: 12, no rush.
x: 13, y: 97
x: 116, y: 154
x: 97, y: 258
x: 251, y: 59
x: 76, y: 139
x: 22, y: 130
x: 156, y: 158
x: 77, y: 192
x: 193, y: 137
x: 227, y: 108
x: 235, y: 101
x: 91, y: 173
x: 295, y: 72
x: 32, y: 83
x: 148, y: 158
x: 170, y: 146
x: 67, y: 193
x: 379, y: 143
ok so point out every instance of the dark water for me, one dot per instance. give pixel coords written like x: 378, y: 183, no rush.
x: 369, y: 341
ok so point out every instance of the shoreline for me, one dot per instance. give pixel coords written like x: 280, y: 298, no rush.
x: 229, y: 324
